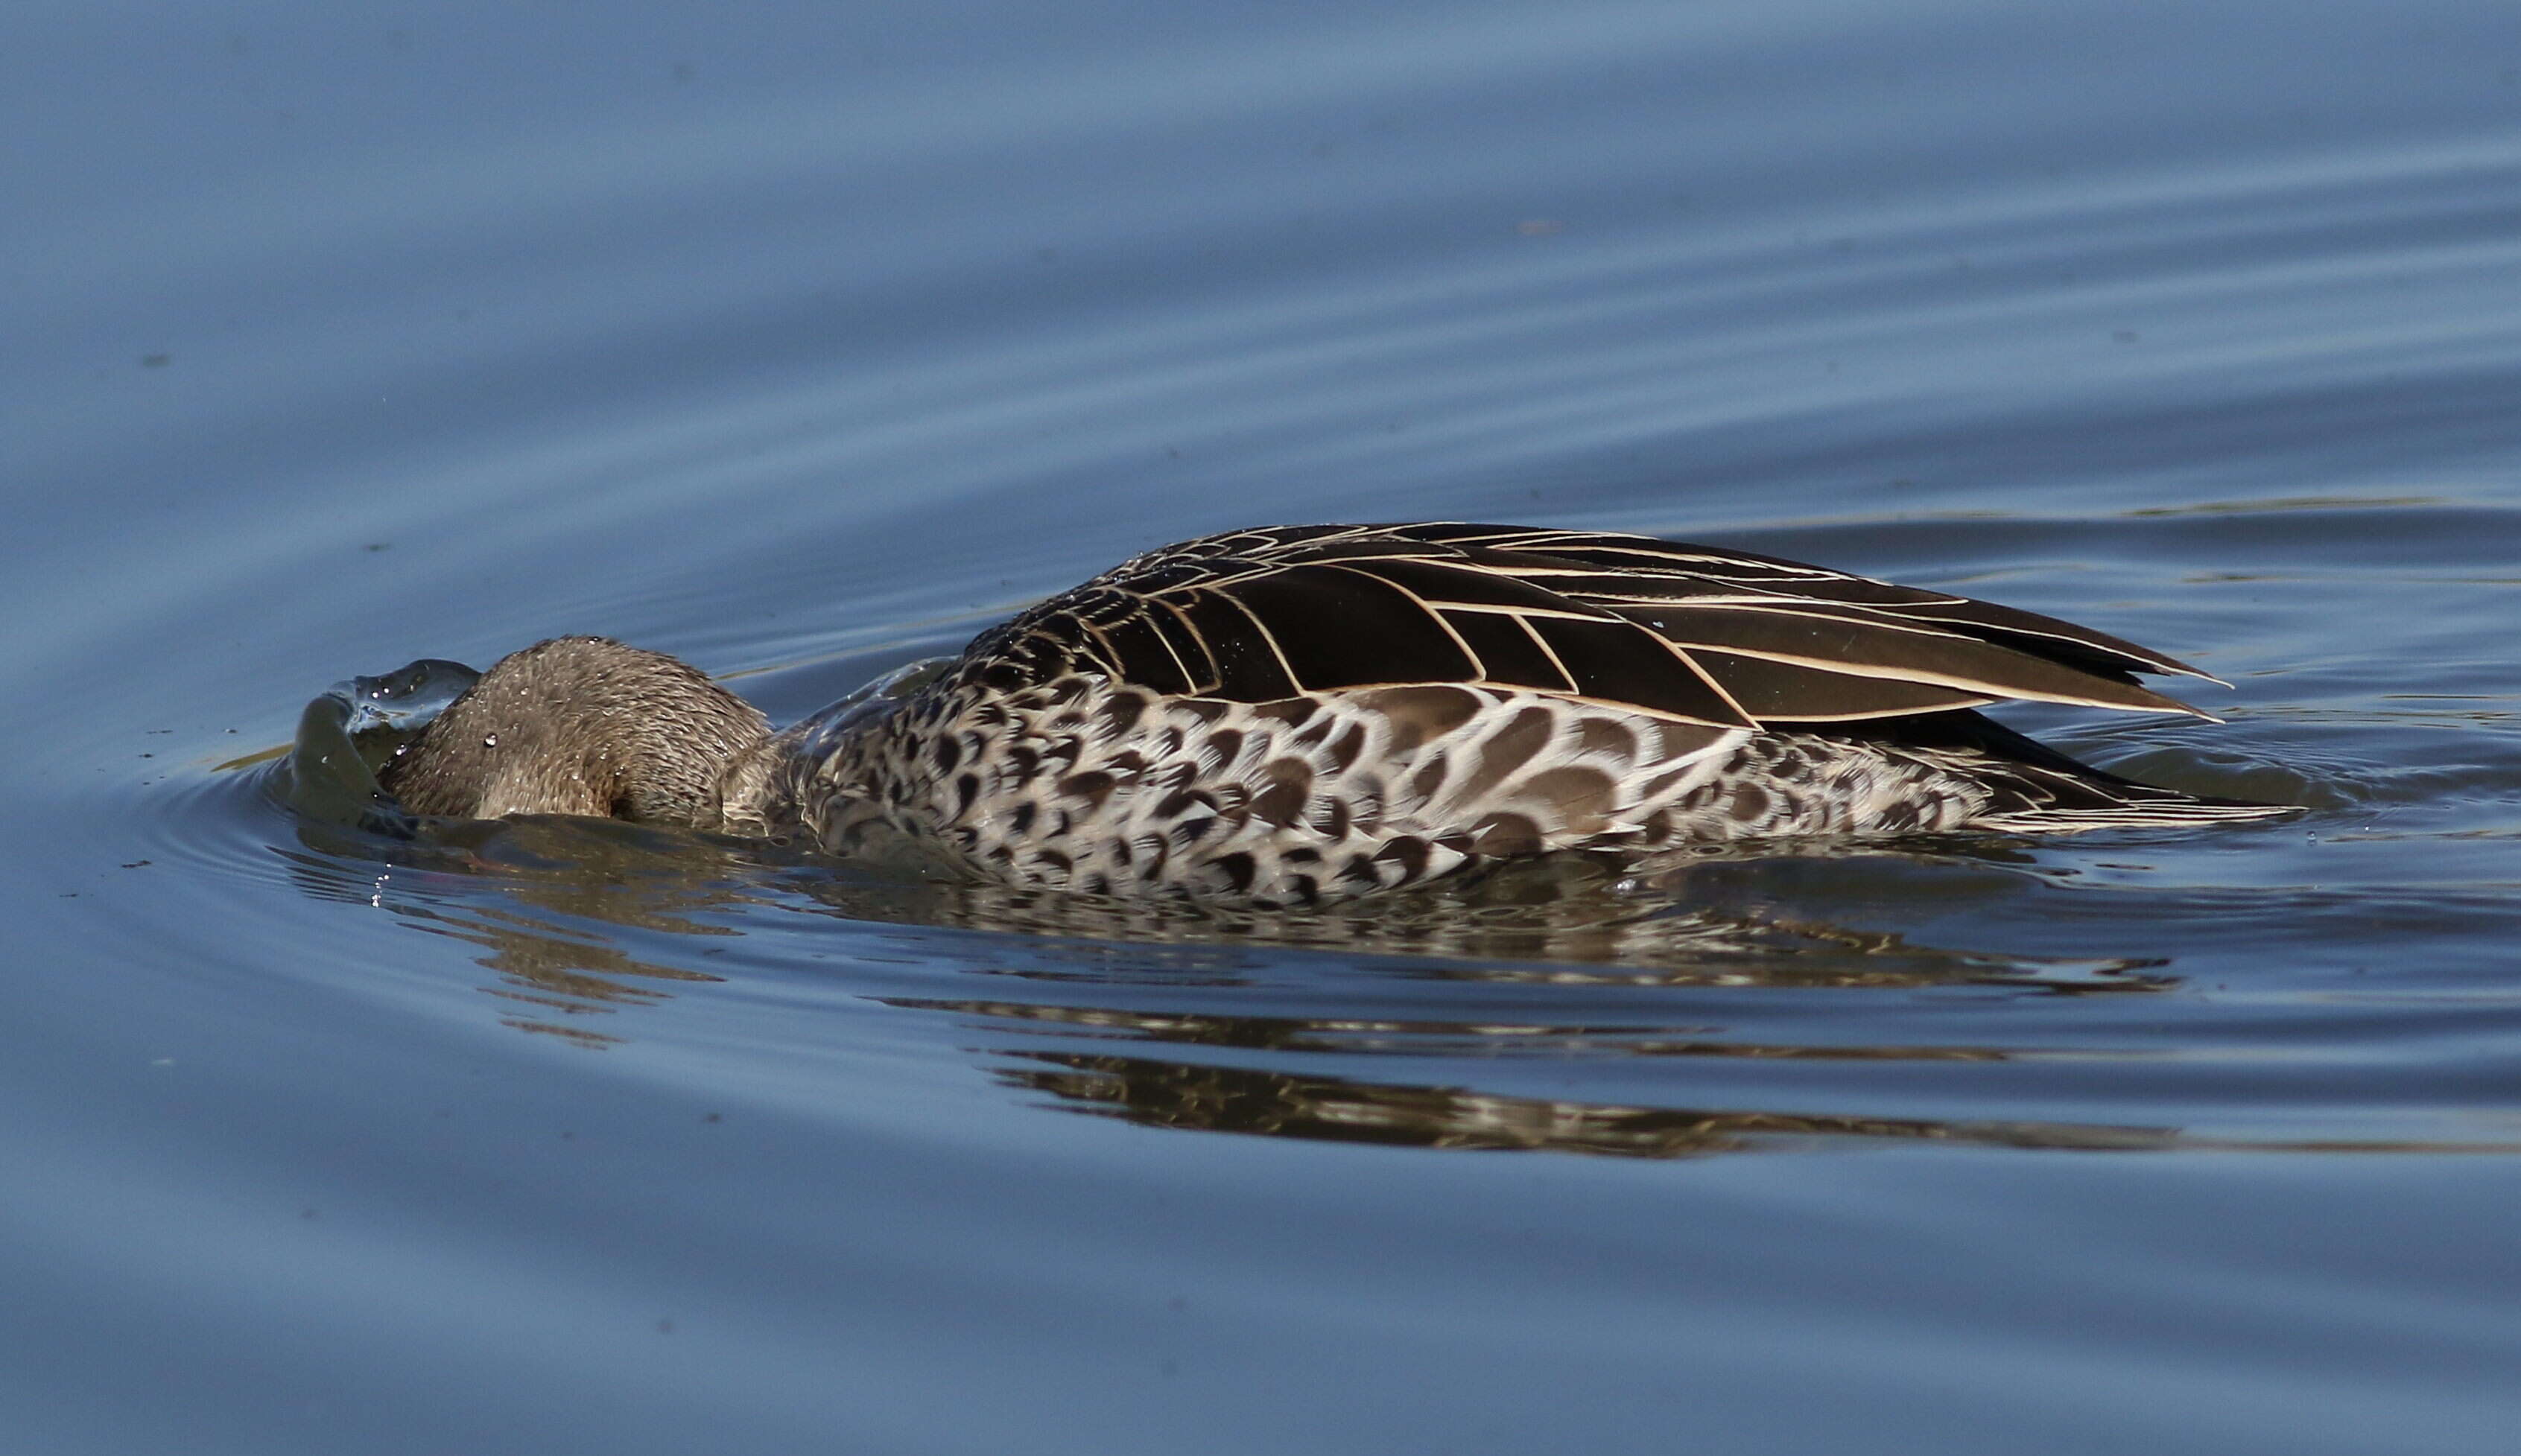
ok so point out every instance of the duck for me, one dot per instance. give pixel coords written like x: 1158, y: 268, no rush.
x: 1290, y: 715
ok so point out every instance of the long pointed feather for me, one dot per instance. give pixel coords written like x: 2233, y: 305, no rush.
x: 1685, y: 632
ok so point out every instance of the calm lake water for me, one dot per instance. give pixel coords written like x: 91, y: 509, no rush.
x: 804, y: 340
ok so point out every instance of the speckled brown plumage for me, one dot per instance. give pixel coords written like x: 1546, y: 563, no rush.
x: 580, y: 725
x: 1290, y: 715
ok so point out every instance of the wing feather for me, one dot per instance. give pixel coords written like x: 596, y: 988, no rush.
x: 1692, y: 633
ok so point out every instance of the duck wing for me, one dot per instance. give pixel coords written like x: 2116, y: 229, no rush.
x: 1699, y: 634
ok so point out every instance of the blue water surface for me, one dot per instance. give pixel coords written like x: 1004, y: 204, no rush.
x: 803, y: 341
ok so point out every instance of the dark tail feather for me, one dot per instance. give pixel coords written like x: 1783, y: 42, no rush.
x: 2041, y: 791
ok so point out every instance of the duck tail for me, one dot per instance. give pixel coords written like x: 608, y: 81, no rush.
x: 2038, y: 790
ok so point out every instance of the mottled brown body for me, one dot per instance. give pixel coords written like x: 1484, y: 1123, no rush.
x: 1296, y: 714
x: 1078, y: 785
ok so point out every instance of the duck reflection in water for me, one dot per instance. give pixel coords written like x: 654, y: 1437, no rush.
x: 583, y: 920
x: 1541, y: 756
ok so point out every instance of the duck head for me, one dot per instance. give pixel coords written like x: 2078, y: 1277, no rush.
x: 580, y: 725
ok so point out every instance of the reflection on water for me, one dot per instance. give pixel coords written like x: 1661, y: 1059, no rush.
x: 1270, y: 1103
x: 557, y: 888
x: 560, y: 903
x: 582, y: 919
x: 1200, y: 1098
x: 561, y: 906
x: 544, y: 897
x: 547, y: 898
